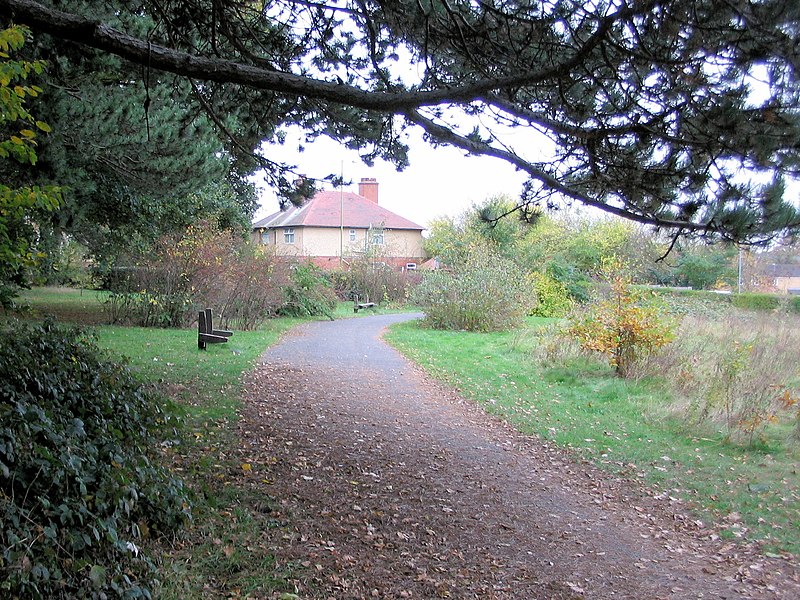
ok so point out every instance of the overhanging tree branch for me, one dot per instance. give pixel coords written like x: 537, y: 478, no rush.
x: 447, y: 136
x: 75, y: 28
x: 645, y: 103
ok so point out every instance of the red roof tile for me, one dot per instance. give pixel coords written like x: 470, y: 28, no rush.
x: 324, y: 210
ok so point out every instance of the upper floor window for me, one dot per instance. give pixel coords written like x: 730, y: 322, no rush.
x: 288, y: 235
x: 352, y: 235
x: 377, y: 237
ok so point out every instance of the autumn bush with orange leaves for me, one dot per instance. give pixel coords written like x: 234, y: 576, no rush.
x: 623, y: 327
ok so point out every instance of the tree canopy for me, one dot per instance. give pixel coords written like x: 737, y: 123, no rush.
x: 134, y: 152
x: 681, y: 114
x: 18, y: 140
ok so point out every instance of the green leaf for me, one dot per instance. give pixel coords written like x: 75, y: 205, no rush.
x: 97, y: 575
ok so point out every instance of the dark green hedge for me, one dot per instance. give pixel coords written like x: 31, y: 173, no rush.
x: 754, y: 301
x: 79, y: 486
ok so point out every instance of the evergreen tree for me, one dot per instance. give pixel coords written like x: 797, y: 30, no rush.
x: 132, y: 148
x: 681, y: 114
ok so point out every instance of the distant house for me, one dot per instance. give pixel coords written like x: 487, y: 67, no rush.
x: 785, y: 277
x: 336, y: 227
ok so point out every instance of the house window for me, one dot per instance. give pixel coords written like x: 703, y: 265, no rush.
x: 288, y: 235
x: 377, y: 237
x: 352, y: 235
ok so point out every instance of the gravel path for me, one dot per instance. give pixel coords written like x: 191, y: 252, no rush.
x: 391, y: 486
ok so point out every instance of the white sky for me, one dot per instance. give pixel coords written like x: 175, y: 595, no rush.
x: 439, y: 181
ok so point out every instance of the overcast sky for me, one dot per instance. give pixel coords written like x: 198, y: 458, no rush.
x: 440, y: 181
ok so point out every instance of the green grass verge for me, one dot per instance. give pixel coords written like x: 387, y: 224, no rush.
x: 205, y: 382
x: 622, y: 426
x: 224, y: 554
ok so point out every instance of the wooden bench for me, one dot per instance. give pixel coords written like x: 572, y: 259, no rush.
x: 361, y: 305
x: 206, y: 334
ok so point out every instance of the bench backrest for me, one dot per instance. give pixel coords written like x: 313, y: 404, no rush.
x: 204, y: 321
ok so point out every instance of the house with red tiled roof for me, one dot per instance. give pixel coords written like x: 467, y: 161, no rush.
x: 336, y: 227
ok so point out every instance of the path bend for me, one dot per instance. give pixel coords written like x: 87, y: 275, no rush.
x: 395, y: 487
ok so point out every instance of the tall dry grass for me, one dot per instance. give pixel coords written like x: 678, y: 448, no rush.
x: 740, y: 372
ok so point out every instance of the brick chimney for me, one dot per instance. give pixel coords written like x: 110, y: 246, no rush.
x: 368, y: 187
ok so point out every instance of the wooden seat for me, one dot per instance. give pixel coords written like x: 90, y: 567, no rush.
x: 361, y: 305
x: 206, y: 334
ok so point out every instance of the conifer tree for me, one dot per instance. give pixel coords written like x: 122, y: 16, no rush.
x: 682, y: 114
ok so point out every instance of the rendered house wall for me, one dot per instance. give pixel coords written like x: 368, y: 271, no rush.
x: 400, y: 246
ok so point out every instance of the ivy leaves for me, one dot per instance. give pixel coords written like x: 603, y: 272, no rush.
x: 79, y: 486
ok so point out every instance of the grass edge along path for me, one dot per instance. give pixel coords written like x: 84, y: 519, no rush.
x: 746, y: 494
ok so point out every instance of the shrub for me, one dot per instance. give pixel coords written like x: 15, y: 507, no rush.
x: 553, y: 297
x: 80, y: 489
x: 482, y: 294
x: 368, y: 278
x: 754, y: 301
x: 248, y: 290
x: 198, y: 268
x: 8, y: 295
x: 622, y: 327
x: 576, y: 282
x: 308, y: 293
x: 794, y: 303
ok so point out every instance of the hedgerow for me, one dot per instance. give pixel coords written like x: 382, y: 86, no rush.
x: 754, y: 301
x: 79, y: 487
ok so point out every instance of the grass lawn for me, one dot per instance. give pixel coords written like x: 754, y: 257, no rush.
x: 624, y: 426
x: 205, y: 382
x: 66, y: 305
